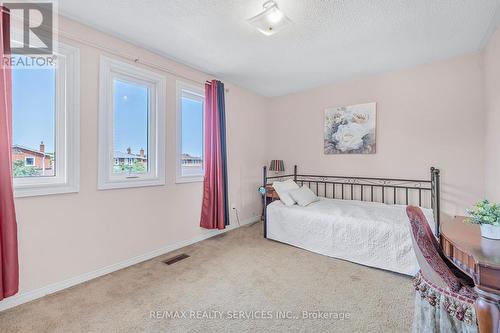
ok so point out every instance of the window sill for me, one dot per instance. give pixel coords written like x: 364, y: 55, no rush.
x: 194, y: 179
x: 129, y: 183
x: 33, y: 191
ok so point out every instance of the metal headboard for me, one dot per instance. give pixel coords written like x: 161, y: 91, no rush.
x: 424, y: 193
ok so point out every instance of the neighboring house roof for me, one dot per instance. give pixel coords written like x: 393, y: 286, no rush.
x: 187, y: 156
x: 31, y: 150
x: 119, y: 154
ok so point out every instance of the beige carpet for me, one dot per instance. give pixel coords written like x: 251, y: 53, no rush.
x: 237, y: 271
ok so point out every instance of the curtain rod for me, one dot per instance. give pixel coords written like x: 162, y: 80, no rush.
x: 133, y: 59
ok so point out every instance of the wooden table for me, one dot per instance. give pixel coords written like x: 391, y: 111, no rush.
x: 479, y: 258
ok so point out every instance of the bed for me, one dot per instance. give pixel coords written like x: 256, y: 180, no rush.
x: 362, y: 220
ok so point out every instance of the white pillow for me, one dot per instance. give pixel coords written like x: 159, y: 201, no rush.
x: 303, y: 196
x: 282, y: 188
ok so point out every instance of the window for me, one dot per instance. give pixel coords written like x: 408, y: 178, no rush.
x: 45, y: 125
x: 190, y: 144
x: 131, y: 126
x: 29, y: 161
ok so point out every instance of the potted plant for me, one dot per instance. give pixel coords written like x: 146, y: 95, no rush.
x: 487, y: 215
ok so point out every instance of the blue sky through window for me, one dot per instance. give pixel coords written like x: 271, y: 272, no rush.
x: 33, y: 107
x: 130, y: 117
x: 192, y: 127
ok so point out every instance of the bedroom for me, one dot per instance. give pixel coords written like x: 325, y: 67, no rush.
x: 84, y: 245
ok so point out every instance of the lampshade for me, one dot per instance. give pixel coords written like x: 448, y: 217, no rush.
x: 277, y: 165
x: 271, y: 20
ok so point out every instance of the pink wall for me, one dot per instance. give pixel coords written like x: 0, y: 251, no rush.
x: 64, y: 236
x: 492, y: 97
x: 430, y: 115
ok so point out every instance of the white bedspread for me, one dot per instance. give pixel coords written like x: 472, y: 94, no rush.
x: 368, y: 233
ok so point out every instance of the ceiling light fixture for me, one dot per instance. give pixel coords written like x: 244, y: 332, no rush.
x: 271, y: 20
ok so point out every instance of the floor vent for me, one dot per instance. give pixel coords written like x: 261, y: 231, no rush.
x: 175, y: 259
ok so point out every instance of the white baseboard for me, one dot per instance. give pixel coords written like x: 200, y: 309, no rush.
x: 58, y: 286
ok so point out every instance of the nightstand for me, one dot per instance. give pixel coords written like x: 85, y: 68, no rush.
x: 270, y: 196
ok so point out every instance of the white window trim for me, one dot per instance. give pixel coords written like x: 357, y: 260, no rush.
x: 196, y: 90
x: 109, y: 69
x: 67, y: 118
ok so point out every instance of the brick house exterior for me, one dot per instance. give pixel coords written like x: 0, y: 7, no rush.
x: 38, y: 159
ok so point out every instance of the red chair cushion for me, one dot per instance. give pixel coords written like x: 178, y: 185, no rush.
x: 430, y: 249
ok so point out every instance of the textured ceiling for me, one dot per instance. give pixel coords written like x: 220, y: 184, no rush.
x: 328, y: 40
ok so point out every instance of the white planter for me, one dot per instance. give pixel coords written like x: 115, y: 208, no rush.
x: 490, y: 247
x: 490, y: 231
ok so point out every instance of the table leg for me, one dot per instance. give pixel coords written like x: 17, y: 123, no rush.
x: 488, y: 311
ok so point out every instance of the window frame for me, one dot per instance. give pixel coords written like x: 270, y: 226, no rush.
x: 109, y: 70
x: 67, y: 132
x: 199, y: 91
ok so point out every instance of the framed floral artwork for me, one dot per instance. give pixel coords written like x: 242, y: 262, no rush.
x: 351, y: 129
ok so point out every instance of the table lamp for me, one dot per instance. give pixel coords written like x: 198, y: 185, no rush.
x: 277, y: 166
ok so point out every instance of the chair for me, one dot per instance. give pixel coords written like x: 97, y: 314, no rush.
x: 444, y: 300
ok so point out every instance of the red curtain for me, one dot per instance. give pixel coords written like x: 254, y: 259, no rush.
x: 214, y: 210
x: 9, y: 267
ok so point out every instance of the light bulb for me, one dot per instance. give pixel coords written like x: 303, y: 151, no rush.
x: 275, y: 16
x: 271, y: 20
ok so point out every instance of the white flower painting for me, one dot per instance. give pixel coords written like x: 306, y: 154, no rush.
x: 350, y: 129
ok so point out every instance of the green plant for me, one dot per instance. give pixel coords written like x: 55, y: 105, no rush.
x: 137, y: 167
x: 19, y: 169
x: 484, y: 212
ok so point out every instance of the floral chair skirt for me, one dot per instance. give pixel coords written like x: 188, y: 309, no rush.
x: 442, y: 311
